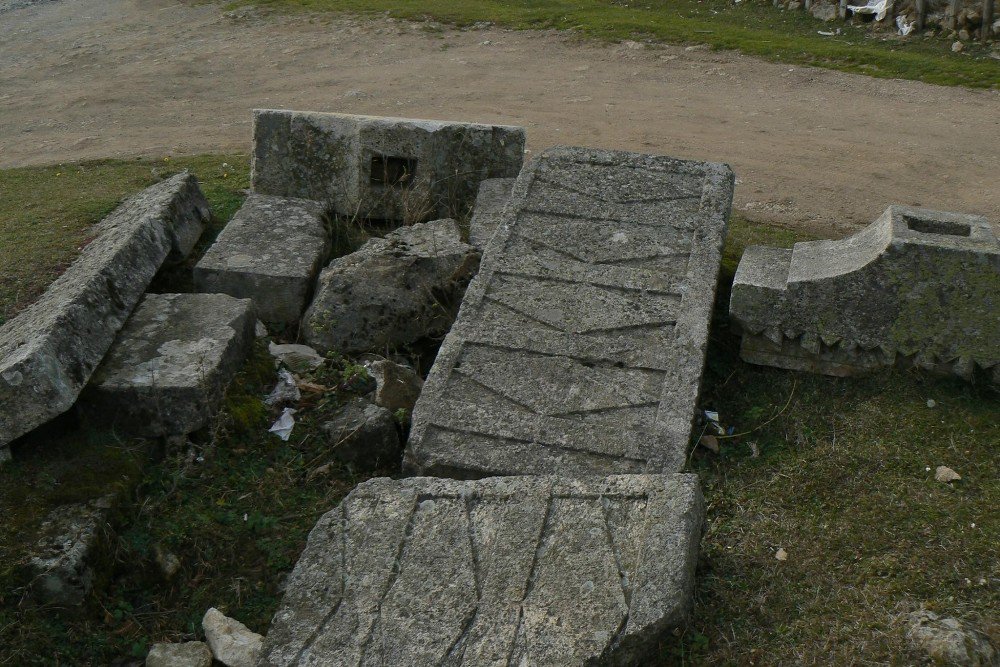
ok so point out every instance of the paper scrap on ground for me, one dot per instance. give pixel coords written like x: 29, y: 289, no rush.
x: 877, y: 7
x: 284, y: 425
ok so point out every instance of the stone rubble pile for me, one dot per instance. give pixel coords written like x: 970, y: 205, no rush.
x: 558, y: 412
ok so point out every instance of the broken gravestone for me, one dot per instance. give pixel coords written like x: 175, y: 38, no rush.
x: 384, y: 168
x: 271, y: 252
x: 392, y: 292
x: 510, y: 571
x: 168, y: 369
x: 914, y: 288
x: 579, y: 346
x: 493, y: 196
x: 48, y: 351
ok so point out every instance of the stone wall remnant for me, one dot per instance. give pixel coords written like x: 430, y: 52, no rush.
x: 579, y: 346
x: 493, y: 196
x: 49, y: 351
x: 271, y: 252
x: 915, y: 288
x: 383, y: 168
x: 511, y: 571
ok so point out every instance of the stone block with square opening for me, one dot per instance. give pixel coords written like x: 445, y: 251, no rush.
x: 381, y: 168
x: 533, y: 570
x: 914, y: 288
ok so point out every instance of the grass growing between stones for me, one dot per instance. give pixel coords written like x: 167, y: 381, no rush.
x: 840, y: 482
x: 752, y: 27
x: 47, y: 213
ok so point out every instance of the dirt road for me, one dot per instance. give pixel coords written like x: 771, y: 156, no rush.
x: 96, y: 78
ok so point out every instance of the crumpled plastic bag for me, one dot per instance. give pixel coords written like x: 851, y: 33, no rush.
x: 284, y: 425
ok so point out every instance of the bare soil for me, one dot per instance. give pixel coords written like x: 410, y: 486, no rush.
x: 811, y: 148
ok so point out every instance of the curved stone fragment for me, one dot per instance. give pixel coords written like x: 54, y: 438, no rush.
x: 503, y: 571
x: 48, y: 351
x: 916, y: 287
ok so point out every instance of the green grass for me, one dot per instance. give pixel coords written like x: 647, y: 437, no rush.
x: 752, y: 27
x: 47, y: 213
x: 840, y: 481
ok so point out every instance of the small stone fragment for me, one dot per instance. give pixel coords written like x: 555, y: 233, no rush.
x: 61, y: 567
x: 398, y: 387
x: 710, y: 442
x: 946, y: 474
x: 958, y: 47
x: 298, y: 358
x: 364, y: 435
x: 168, y: 563
x: 931, y: 403
x: 781, y: 555
x: 949, y: 641
x: 231, y: 642
x: 188, y: 654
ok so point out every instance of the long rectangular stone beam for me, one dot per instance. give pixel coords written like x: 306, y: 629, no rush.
x: 49, y: 351
x: 530, y: 570
x: 579, y: 347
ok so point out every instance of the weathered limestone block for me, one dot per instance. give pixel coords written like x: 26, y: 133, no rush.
x: 62, y: 565
x: 48, y: 351
x: 502, y: 571
x: 168, y: 369
x: 914, y: 288
x: 387, y: 168
x: 271, y: 252
x: 579, y: 346
x: 391, y: 292
x: 232, y: 643
x: 188, y: 654
x: 364, y: 436
x: 493, y: 196
x: 396, y: 387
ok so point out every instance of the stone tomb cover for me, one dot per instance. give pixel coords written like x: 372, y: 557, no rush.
x: 502, y: 571
x: 580, y: 344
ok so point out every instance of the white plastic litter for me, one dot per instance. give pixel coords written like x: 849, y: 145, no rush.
x: 877, y: 7
x: 284, y: 425
x: 826, y: 33
x: 286, y: 391
x: 904, y: 27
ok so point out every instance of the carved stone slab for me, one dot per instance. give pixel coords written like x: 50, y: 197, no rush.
x: 579, y: 346
x: 502, y: 571
x: 375, y: 167
x: 914, y: 288
x: 271, y: 252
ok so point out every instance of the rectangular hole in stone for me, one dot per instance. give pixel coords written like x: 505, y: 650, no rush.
x: 392, y: 170
x: 925, y: 226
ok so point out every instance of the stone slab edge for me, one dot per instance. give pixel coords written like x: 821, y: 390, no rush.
x: 682, y: 382
x: 49, y: 351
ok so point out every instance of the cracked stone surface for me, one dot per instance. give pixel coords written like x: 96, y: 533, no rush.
x: 271, y: 252
x: 503, y: 571
x: 580, y: 344
x: 915, y: 288
x: 493, y: 196
x: 376, y: 167
x: 168, y: 369
x: 49, y: 351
